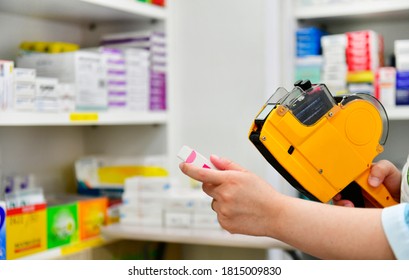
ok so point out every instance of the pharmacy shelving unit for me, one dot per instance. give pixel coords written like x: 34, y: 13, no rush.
x: 47, y: 144
x: 389, y: 18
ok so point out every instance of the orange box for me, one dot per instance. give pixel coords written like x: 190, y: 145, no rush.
x: 92, y: 214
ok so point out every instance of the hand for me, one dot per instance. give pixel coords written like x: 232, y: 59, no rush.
x: 241, y: 199
x: 381, y: 172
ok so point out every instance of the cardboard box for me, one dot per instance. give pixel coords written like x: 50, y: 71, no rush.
x: 26, y: 230
x: 62, y: 222
x: 92, y: 214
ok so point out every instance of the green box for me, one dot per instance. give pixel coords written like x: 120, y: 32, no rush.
x: 62, y: 224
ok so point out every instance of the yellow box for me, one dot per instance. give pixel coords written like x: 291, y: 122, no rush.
x: 26, y: 230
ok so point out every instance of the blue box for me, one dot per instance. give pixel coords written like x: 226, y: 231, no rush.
x: 402, y: 75
x: 2, y: 230
x: 402, y: 97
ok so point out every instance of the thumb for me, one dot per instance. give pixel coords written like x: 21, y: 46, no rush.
x: 225, y: 164
x: 383, y: 172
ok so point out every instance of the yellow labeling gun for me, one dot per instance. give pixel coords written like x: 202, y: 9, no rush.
x: 321, y: 144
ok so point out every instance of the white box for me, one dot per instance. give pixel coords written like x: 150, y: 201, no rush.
x: 24, y: 89
x: 6, y: 84
x: 24, y: 103
x: 387, y: 86
x: 205, y: 221
x: 147, y: 184
x: 47, y: 96
x: 401, y: 48
x: 177, y: 219
x: 27, y: 75
x: 85, y: 69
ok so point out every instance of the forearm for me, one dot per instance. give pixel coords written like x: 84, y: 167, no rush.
x: 330, y: 232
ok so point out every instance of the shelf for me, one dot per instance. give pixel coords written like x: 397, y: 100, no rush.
x: 216, y: 237
x: 64, y: 251
x: 354, y: 9
x: 82, y: 118
x: 399, y: 113
x: 85, y: 11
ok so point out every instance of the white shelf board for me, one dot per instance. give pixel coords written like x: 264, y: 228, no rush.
x: 215, y: 237
x: 353, y: 9
x: 398, y: 113
x: 85, y: 10
x: 81, y: 118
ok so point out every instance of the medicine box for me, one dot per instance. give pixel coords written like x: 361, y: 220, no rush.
x: 47, y: 96
x: 2, y: 230
x: 104, y: 175
x: 6, y: 84
x: 92, y: 215
x: 85, y: 69
x: 62, y: 221
x: 26, y: 230
x: 386, y: 86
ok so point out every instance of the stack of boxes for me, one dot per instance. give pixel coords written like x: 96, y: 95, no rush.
x: 138, y: 79
x: 155, y: 44
x: 308, y: 40
x: 83, y: 70
x: 6, y: 83
x: 401, y: 49
x: 190, y: 209
x: 116, y: 77
x: 385, y: 86
x: 143, y: 200
x: 364, y: 55
x: 24, y: 89
x: 127, y: 78
x: 36, y: 223
x: 309, y: 59
x: 154, y: 201
x: 334, y: 71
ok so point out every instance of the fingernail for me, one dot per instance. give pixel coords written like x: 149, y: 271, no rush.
x: 374, y: 181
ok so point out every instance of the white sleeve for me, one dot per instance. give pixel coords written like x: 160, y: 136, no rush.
x: 404, y: 186
x: 395, y: 222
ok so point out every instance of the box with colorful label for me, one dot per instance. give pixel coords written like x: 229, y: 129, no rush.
x: 62, y: 221
x: 92, y: 215
x: 2, y: 230
x: 105, y: 176
x: 26, y: 230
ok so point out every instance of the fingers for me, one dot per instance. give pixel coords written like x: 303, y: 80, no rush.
x: 211, y: 176
x: 225, y: 164
x: 383, y: 172
x: 337, y: 200
x: 345, y: 203
x: 204, y: 175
